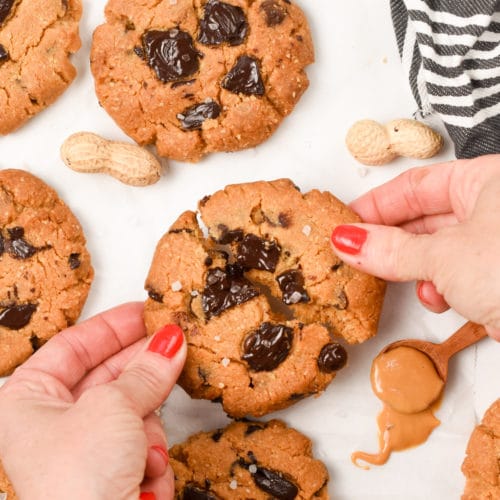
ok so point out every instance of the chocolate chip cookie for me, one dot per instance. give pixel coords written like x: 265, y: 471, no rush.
x: 5, y: 486
x: 263, y: 299
x: 203, y: 76
x: 45, y: 270
x: 36, y: 40
x: 481, y: 466
x: 248, y: 460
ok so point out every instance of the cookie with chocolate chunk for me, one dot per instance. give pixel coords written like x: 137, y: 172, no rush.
x: 37, y: 38
x: 203, y: 76
x: 481, y: 466
x: 263, y: 300
x: 45, y: 270
x: 254, y: 460
x: 6, y: 486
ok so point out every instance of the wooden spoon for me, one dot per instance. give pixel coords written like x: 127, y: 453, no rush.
x: 440, y: 354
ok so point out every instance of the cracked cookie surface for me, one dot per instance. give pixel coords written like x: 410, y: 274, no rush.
x: 263, y: 299
x: 45, y: 270
x: 248, y: 460
x: 36, y: 40
x: 196, y: 76
x: 481, y: 466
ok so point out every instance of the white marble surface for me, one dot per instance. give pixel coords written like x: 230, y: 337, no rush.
x: 357, y: 75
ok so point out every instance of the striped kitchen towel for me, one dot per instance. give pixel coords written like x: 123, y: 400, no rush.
x: 450, y: 50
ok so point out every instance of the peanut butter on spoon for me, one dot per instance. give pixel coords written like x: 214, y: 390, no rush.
x: 408, y: 376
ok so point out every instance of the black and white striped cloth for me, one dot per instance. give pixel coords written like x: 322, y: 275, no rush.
x: 450, y: 50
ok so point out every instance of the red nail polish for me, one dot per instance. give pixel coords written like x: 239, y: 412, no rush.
x: 147, y: 495
x: 167, y: 341
x: 349, y: 239
x: 162, y: 451
x: 420, y: 293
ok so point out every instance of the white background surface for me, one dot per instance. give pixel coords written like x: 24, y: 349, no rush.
x: 357, y: 75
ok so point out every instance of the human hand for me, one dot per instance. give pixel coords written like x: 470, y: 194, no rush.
x: 439, y: 225
x: 77, y: 419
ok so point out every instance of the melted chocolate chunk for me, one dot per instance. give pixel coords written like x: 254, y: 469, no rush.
x: 193, y: 492
x: 208, y: 261
x: 139, y: 51
x: 228, y: 236
x: 284, y: 219
x: 17, y: 246
x: 35, y: 343
x: 171, y: 54
x: 17, y: 316
x: 291, y: 284
x: 244, y: 77
x: 74, y: 260
x: 257, y: 253
x: 221, y: 23
x: 273, y: 12
x: 275, y: 484
x: 266, y: 348
x: 193, y: 117
x: 5, y: 8
x: 156, y: 296
x: 332, y: 357
x: 251, y: 428
x: 226, y: 288
x: 4, y: 55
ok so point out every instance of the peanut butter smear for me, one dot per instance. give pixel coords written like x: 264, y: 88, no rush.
x: 407, y: 382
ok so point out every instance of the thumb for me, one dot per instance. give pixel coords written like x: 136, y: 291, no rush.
x: 150, y: 376
x: 387, y: 252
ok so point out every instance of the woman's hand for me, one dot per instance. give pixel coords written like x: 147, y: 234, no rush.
x: 77, y: 419
x: 439, y: 225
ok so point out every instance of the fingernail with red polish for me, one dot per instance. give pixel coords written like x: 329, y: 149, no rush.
x: 162, y: 451
x: 167, y: 341
x: 147, y: 495
x: 421, y: 294
x: 349, y: 239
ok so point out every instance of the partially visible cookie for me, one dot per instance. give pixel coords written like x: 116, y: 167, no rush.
x: 481, y: 466
x: 248, y: 460
x: 36, y: 40
x: 194, y: 77
x: 6, y: 487
x: 263, y: 300
x: 45, y: 270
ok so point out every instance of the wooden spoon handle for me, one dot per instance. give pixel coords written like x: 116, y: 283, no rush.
x: 462, y: 338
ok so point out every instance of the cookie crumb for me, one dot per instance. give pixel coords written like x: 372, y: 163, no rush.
x: 233, y: 484
x: 225, y: 362
x: 176, y: 286
x: 252, y: 469
x: 306, y: 230
x: 221, y: 385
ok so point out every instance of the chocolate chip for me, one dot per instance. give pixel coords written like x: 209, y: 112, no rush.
x: 74, y: 260
x: 171, y: 54
x: 193, y: 492
x: 273, y: 12
x: 208, y: 261
x: 228, y: 235
x: 251, y: 428
x: 342, y: 301
x: 337, y: 266
x: 17, y: 246
x: 244, y: 77
x: 193, y: 117
x: 332, y: 357
x: 129, y: 25
x: 17, y: 316
x: 275, y: 484
x: 217, y: 435
x: 224, y: 289
x: 180, y: 84
x: 291, y: 284
x: 35, y: 343
x: 181, y: 230
x: 266, y: 348
x: 4, y: 55
x: 139, y: 51
x: 222, y: 23
x: 154, y: 295
x: 284, y: 219
x: 5, y: 8
x: 257, y: 253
